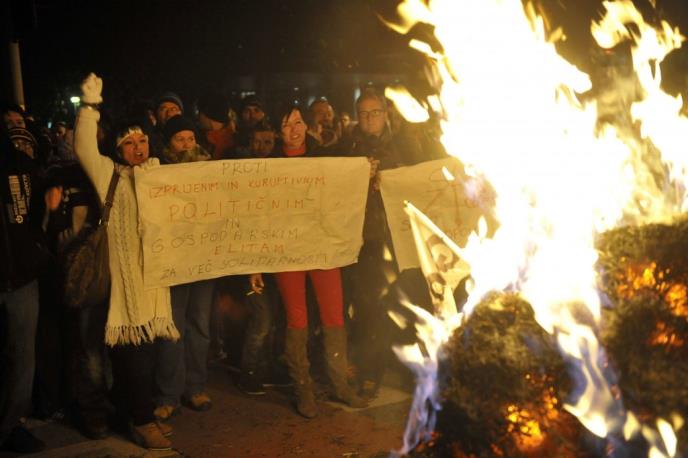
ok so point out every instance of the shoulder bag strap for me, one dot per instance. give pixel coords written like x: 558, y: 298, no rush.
x: 110, y: 197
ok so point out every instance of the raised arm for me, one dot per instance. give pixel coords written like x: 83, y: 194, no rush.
x: 97, y: 167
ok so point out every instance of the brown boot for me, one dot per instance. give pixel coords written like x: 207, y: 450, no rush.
x: 296, y: 355
x: 149, y: 436
x: 335, y: 355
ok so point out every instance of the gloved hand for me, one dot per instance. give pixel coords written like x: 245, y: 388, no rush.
x: 91, y: 89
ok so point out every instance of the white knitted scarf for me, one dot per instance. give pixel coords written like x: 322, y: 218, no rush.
x: 136, y: 314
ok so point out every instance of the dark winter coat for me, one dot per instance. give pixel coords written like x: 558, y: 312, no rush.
x: 22, y: 246
x: 391, y: 154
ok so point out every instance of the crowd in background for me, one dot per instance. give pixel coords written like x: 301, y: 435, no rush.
x: 131, y: 362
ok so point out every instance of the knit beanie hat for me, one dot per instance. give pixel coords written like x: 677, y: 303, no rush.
x: 250, y: 100
x: 177, y: 124
x: 17, y: 133
x: 214, y: 106
x: 170, y: 97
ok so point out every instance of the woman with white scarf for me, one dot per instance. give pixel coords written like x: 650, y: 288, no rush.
x: 136, y: 316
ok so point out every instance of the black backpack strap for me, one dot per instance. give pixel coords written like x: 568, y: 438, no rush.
x: 110, y: 197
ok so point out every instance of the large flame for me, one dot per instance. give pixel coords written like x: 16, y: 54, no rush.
x: 510, y: 111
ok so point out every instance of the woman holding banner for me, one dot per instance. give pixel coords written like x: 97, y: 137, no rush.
x: 136, y: 316
x: 328, y: 290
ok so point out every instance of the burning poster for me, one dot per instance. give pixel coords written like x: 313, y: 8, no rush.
x: 439, y: 189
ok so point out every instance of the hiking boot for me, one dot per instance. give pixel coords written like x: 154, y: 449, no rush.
x: 165, y: 412
x: 21, y: 440
x: 200, y: 402
x: 250, y: 384
x: 149, y: 436
x: 164, y: 428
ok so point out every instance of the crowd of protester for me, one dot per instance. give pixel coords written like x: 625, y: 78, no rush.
x: 131, y: 362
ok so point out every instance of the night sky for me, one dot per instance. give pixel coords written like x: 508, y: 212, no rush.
x: 187, y: 45
x: 145, y: 46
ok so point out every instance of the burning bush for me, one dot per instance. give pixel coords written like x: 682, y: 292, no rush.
x: 502, y: 384
x: 644, y: 273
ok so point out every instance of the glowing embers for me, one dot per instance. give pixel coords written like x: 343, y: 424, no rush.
x: 676, y: 298
x: 525, y: 422
x: 642, y: 279
x: 667, y: 336
x: 639, y: 276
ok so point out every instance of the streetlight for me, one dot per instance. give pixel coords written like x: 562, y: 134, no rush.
x: 76, y: 100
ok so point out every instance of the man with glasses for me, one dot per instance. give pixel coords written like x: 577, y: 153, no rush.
x: 366, y: 281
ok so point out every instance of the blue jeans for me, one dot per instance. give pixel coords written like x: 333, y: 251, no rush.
x: 91, y: 380
x: 18, y: 318
x: 181, y: 367
x: 256, y: 355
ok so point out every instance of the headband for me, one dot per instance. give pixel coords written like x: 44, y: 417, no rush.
x: 128, y: 132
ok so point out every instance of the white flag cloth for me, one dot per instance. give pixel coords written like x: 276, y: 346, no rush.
x: 442, y: 190
x: 440, y: 260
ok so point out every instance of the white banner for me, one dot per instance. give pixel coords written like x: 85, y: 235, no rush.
x: 442, y: 191
x: 204, y: 220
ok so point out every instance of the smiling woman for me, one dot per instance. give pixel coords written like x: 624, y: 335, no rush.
x: 327, y: 284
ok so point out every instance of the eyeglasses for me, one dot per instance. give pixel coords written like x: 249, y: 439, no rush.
x: 370, y: 114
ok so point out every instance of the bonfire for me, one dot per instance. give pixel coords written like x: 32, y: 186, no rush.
x: 572, y: 341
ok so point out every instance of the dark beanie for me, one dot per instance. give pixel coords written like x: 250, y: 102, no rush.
x: 214, y: 106
x: 250, y: 100
x: 177, y: 124
x: 170, y: 97
x: 16, y: 133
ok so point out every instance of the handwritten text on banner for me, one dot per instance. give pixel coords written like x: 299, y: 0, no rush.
x: 453, y: 201
x: 209, y: 219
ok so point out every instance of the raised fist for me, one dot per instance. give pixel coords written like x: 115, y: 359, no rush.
x: 91, y: 89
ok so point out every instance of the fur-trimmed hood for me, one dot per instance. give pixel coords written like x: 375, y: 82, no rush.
x: 198, y: 153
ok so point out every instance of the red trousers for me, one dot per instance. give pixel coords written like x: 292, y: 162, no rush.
x: 328, y: 290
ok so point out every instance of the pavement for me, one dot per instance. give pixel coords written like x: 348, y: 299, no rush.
x: 241, y: 426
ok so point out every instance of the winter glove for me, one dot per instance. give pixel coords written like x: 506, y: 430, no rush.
x: 91, y: 90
